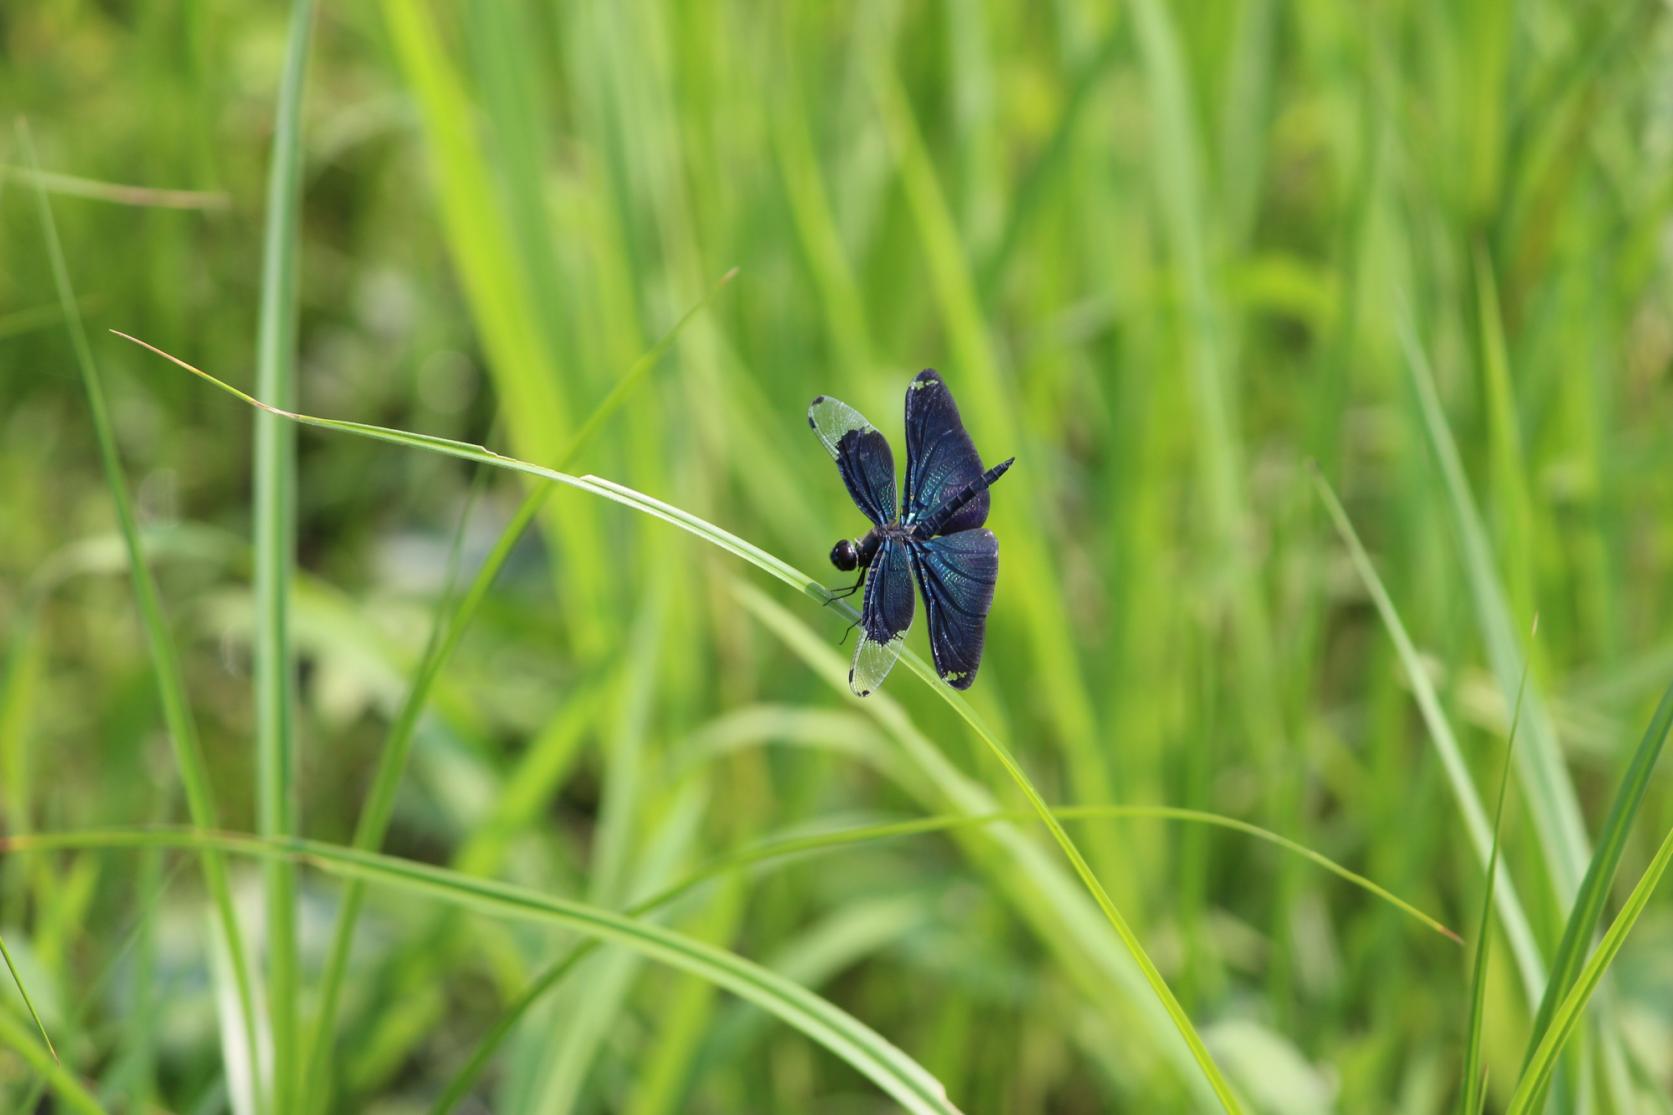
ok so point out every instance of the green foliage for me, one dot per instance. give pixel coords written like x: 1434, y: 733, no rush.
x: 567, y: 811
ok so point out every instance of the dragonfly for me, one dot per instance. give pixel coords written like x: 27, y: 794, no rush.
x: 934, y: 535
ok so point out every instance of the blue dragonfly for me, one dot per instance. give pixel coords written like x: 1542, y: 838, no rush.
x: 938, y: 533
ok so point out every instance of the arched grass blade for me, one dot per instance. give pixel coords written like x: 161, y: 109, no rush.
x: 790, y: 575
x: 792, y: 847
x: 833, y: 1028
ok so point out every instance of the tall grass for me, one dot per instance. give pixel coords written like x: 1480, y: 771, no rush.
x: 274, y: 504
x: 1165, y: 254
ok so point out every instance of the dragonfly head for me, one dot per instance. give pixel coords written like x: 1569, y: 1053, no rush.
x: 845, y: 555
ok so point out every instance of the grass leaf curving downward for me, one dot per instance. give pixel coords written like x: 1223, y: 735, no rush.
x: 794, y: 577
x: 907, y: 1082
x: 790, y: 847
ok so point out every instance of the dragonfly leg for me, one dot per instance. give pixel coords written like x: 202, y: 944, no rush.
x: 839, y: 594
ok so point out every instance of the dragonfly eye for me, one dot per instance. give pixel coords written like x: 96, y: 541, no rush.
x: 843, y: 555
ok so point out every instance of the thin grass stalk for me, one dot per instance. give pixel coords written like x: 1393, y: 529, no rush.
x: 28, y: 1003
x: 1587, y: 912
x: 71, y: 1092
x: 1517, y: 928
x: 1475, y: 1077
x: 275, y: 555
x: 165, y: 660
x: 1527, y: 1097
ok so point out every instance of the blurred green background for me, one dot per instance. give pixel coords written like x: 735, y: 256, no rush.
x: 1169, y: 255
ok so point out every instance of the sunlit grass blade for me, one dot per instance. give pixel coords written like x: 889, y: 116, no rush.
x: 1587, y: 913
x: 1475, y: 1080
x: 68, y: 1089
x: 836, y: 1030
x: 452, y: 620
x: 807, y: 585
x: 274, y: 540
x: 792, y: 847
x: 165, y: 659
x: 1522, y: 942
x: 1568, y: 1013
x: 28, y: 1003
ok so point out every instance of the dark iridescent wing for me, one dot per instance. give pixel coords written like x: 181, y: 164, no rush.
x: 861, y: 453
x: 884, y: 618
x: 940, y: 457
x: 956, y: 573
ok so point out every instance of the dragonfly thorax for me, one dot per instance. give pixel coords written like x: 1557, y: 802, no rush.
x: 856, y: 553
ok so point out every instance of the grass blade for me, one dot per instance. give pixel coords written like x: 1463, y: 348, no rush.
x: 830, y: 1026
x: 1587, y: 913
x: 1522, y: 943
x: 165, y: 659
x: 275, y: 553
x: 787, y: 848
x: 1546, y: 785
x: 28, y: 1003
x: 1474, y: 1079
x: 68, y: 1089
x: 1545, y: 782
x: 117, y: 193
x: 790, y: 575
x: 1568, y: 1013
